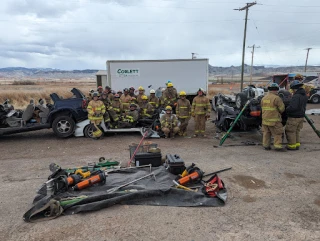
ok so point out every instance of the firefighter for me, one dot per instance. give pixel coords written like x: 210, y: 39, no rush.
x: 125, y: 99
x: 200, y: 110
x: 183, y: 112
x: 295, y: 112
x: 119, y: 93
x: 272, y: 108
x: 109, y: 93
x: 139, y: 96
x: 131, y: 92
x: 169, y: 123
x: 100, y: 90
x: 96, y: 110
x: 130, y: 117
x: 169, y: 96
x: 153, y: 100
x: 146, y: 109
x: 116, y: 105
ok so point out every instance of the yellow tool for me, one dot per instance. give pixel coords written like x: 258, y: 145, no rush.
x: 83, y: 174
x: 183, y: 187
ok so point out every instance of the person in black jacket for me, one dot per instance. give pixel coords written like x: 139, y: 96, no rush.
x: 295, y: 112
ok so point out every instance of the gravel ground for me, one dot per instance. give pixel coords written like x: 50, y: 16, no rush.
x: 272, y: 195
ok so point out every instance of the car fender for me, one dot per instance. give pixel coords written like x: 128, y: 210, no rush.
x: 53, y: 113
x: 79, y: 130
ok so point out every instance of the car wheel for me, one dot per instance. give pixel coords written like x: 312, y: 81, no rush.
x: 88, y: 132
x: 63, y: 126
x: 315, y: 99
x: 240, y: 100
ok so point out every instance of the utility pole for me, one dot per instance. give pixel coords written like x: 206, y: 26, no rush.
x: 193, y: 55
x: 305, y: 67
x: 244, y: 37
x: 253, y: 47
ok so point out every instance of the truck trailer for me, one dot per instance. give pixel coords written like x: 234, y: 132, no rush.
x: 185, y: 74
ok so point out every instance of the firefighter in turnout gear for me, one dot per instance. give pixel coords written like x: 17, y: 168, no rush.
x: 295, y: 112
x: 169, y: 123
x: 109, y: 93
x: 131, y: 92
x: 153, y: 99
x: 146, y: 109
x: 125, y: 99
x: 139, y: 96
x: 200, y: 110
x: 130, y: 117
x: 169, y: 97
x: 272, y: 108
x: 116, y: 105
x: 96, y: 110
x: 183, y: 112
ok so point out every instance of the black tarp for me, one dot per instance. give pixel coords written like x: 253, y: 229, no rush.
x: 159, y: 192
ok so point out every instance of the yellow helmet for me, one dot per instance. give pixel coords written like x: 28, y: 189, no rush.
x: 182, y: 93
x: 168, y: 107
x: 144, y: 97
x: 140, y: 88
x: 170, y: 85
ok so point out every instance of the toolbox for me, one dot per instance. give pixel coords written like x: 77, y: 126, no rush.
x: 175, y: 164
x: 148, y: 158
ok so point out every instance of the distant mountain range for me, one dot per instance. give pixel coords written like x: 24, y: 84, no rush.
x: 49, y: 73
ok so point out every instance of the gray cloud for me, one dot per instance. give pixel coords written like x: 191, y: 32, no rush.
x: 84, y: 34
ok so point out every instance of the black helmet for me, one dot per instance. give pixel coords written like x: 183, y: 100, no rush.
x: 273, y: 86
x: 95, y: 94
x: 108, y: 87
x: 125, y: 89
x: 133, y: 105
x: 296, y: 84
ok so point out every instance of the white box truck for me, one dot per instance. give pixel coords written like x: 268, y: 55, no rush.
x: 185, y: 74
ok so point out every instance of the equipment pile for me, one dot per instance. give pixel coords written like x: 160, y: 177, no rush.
x: 106, y: 183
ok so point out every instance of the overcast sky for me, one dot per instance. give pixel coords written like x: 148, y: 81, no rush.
x: 81, y: 34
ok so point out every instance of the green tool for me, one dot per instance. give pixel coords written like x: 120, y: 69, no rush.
x: 311, y: 123
x: 233, y: 123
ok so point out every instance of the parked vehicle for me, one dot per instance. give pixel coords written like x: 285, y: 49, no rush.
x: 186, y: 74
x: 62, y: 116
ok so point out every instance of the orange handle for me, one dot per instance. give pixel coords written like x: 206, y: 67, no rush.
x: 90, y: 181
x: 190, y: 177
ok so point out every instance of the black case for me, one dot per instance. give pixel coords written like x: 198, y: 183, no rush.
x: 175, y: 164
x: 154, y: 159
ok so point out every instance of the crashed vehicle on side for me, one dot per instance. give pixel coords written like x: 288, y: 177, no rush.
x: 251, y: 118
x: 61, y: 116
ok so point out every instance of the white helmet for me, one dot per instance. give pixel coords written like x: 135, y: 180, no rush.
x: 152, y: 91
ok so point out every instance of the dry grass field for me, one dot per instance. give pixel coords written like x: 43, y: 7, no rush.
x: 20, y: 95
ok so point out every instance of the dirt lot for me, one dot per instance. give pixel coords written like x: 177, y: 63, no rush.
x: 272, y: 195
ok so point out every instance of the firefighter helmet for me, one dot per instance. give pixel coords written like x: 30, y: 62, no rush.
x: 168, y: 108
x: 273, y: 86
x: 144, y: 97
x: 296, y: 84
x: 152, y: 91
x: 140, y: 88
x: 182, y: 93
x: 169, y: 85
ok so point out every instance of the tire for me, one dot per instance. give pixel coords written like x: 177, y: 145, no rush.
x: 88, y: 131
x: 241, y: 100
x: 63, y: 126
x: 315, y: 99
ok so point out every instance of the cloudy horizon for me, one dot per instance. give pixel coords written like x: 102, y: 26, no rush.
x: 83, y: 34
